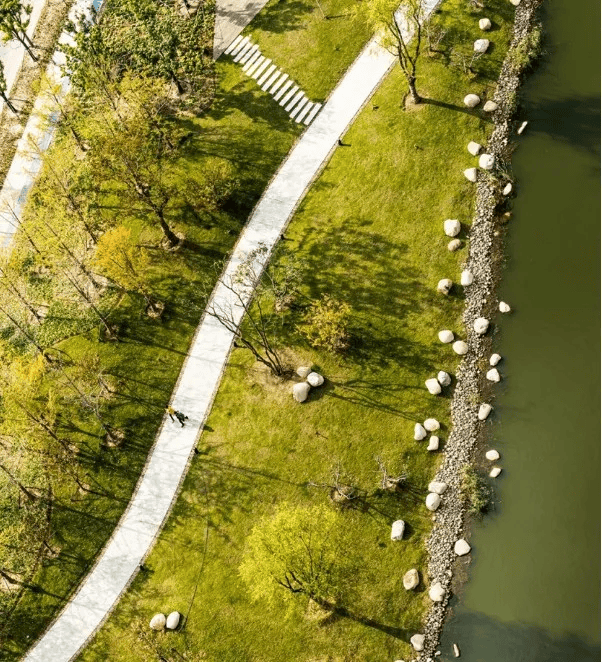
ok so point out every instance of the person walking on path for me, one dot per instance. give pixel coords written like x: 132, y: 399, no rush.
x: 171, y: 411
x: 178, y: 414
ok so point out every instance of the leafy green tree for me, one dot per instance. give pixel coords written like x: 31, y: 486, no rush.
x: 4, y: 90
x: 302, y: 551
x: 14, y: 21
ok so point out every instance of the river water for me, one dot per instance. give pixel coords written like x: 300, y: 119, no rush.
x: 534, y: 581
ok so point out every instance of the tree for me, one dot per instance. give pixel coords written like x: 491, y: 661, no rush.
x: 4, y: 90
x: 327, y: 323
x: 403, y: 33
x: 14, y: 21
x: 302, y: 551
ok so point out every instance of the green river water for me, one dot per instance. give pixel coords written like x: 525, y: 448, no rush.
x: 533, y: 593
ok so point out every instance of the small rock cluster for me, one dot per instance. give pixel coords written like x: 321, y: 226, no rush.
x: 312, y: 379
x: 161, y: 622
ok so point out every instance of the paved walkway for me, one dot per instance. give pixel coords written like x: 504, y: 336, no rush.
x: 269, y: 77
x: 231, y: 18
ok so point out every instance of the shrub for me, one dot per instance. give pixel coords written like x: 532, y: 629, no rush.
x: 327, y: 324
x: 475, y: 491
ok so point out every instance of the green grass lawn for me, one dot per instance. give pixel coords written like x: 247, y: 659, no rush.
x: 370, y: 233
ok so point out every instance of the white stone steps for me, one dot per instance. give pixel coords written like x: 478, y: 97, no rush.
x: 272, y: 80
x: 261, y: 69
x: 266, y: 74
x: 312, y: 113
x: 234, y: 44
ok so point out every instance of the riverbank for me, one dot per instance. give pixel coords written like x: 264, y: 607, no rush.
x: 485, y: 256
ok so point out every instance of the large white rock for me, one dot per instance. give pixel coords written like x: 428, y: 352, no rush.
x: 301, y: 391
x: 460, y: 347
x: 315, y: 379
x: 485, y: 24
x: 173, y: 620
x: 451, y: 227
x: 437, y: 486
x: 480, y: 325
x: 419, y: 432
x: 303, y: 371
x: 472, y: 100
x: 474, y: 148
x: 436, y: 592
x: 446, y: 336
x: 433, y: 443
x: 157, y: 622
x: 461, y: 548
x: 417, y: 641
x: 433, y: 501
x: 504, y: 307
x: 444, y: 285
x: 411, y: 579
x: 522, y: 127
x: 466, y: 278
x: 443, y: 378
x: 490, y: 106
x: 507, y: 189
x: 433, y: 386
x: 486, y: 161
x: 494, y: 359
x: 431, y: 424
x: 397, y: 529
x: 455, y: 646
x: 492, y: 455
x: 453, y: 245
x: 493, y: 375
x: 481, y: 45
x: 484, y: 411
x: 495, y: 472
x: 471, y: 174
x: 516, y: 3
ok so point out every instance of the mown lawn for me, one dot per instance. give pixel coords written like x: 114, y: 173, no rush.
x: 369, y: 233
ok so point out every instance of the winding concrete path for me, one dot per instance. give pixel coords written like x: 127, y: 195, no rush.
x: 201, y: 374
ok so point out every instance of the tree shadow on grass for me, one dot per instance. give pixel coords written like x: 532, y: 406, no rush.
x: 283, y: 15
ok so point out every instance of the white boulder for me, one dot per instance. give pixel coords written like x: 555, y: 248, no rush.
x: 433, y: 444
x: 495, y: 472
x: 431, y: 424
x: 411, y: 579
x: 437, y: 486
x: 522, y: 127
x: 303, y: 371
x: 466, y: 278
x: 417, y: 641
x: 486, y: 161
x: 157, y: 622
x: 444, y: 285
x: 484, y: 411
x: 504, y: 307
x: 480, y: 325
x: 461, y: 548
x: 433, y: 386
x: 471, y: 174
x: 493, y: 375
x: 481, y: 45
x: 485, y: 24
x: 446, y: 336
x: 492, y: 455
x: 494, y: 359
x: 516, y: 3
x: 453, y: 245
x: 472, y: 100
x: 490, y: 106
x: 455, y: 646
x: 433, y: 501
x: 436, y: 592
x: 419, y: 432
x: 301, y: 391
x: 315, y: 379
x: 444, y: 379
x: 474, y: 148
x: 397, y: 529
x: 451, y: 227
x: 460, y: 347
x: 173, y: 620
x: 507, y: 189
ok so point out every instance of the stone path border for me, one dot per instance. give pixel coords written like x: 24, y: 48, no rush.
x: 201, y: 373
x: 272, y: 80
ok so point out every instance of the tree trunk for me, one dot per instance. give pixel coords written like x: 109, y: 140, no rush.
x: 170, y: 235
x: 8, y: 102
x: 413, y: 93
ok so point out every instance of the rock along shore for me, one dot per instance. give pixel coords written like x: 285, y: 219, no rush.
x: 484, y: 258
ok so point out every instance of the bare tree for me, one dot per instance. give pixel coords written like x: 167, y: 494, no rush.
x: 389, y: 481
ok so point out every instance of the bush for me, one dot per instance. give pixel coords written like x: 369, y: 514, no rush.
x: 327, y: 324
x: 475, y: 491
